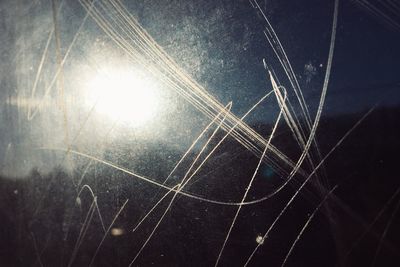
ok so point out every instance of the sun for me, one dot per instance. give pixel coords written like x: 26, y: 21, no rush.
x: 123, y: 94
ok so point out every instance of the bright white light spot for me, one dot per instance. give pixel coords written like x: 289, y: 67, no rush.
x: 123, y: 95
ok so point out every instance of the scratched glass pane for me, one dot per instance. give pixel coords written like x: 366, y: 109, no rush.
x: 199, y: 133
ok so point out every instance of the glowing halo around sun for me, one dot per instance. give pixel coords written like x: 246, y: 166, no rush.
x: 124, y: 95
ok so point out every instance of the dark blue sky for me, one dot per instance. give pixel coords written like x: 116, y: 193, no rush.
x: 222, y: 45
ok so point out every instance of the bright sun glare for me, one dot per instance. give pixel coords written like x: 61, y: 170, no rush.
x: 124, y: 95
